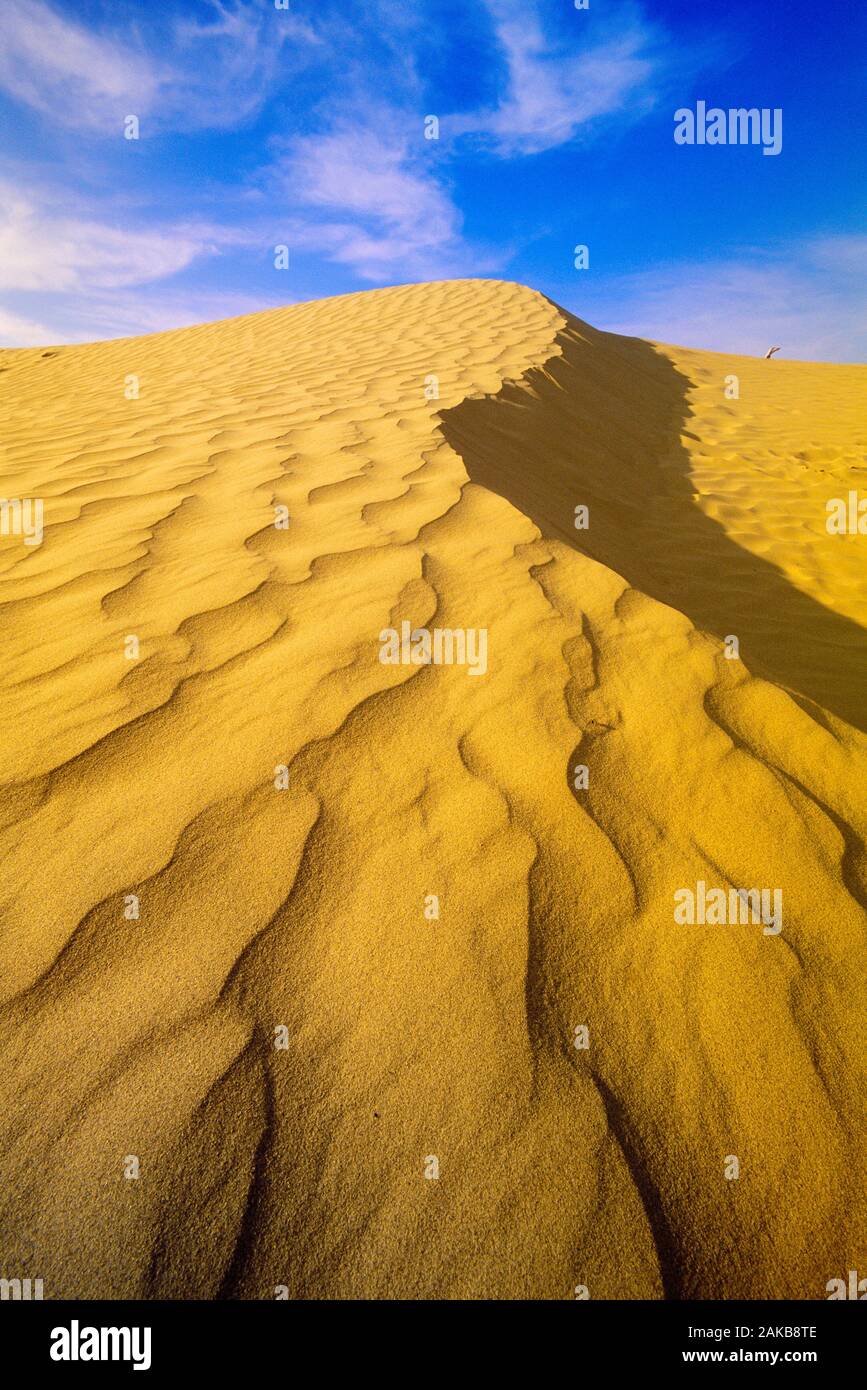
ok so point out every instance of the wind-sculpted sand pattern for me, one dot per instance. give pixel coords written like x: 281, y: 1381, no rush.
x: 286, y: 1035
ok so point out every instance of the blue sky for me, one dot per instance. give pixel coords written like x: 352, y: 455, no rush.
x: 305, y: 127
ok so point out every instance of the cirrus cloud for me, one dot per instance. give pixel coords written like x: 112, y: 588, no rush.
x: 215, y: 74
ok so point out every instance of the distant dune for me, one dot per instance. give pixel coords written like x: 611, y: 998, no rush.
x: 326, y: 1089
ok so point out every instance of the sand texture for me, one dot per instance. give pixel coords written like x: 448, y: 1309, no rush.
x: 307, y: 1167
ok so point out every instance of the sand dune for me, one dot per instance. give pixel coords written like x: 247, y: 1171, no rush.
x: 296, y: 901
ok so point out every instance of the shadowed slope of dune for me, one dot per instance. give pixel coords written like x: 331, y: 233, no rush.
x: 617, y: 417
x: 421, y: 439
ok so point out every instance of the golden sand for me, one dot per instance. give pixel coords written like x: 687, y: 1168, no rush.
x: 301, y: 909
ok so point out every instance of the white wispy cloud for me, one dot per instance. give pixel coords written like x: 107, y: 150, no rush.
x: 126, y: 314
x: 811, y: 299
x: 376, y: 206
x: 363, y: 189
x: 235, y: 61
x: 844, y: 254
x: 16, y: 330
x: 41, y: 252
x: 550, y: 94
x: 208, y: 74
x: 72, y: 277
x: 41, y: 248
x: 356, y: 185
x: 386, y: 206
x: 63, y: 70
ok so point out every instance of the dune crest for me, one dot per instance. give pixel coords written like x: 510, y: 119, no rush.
x: 284, y: 1037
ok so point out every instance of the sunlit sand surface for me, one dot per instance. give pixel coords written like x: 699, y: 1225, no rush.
x: 306, y: 1168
